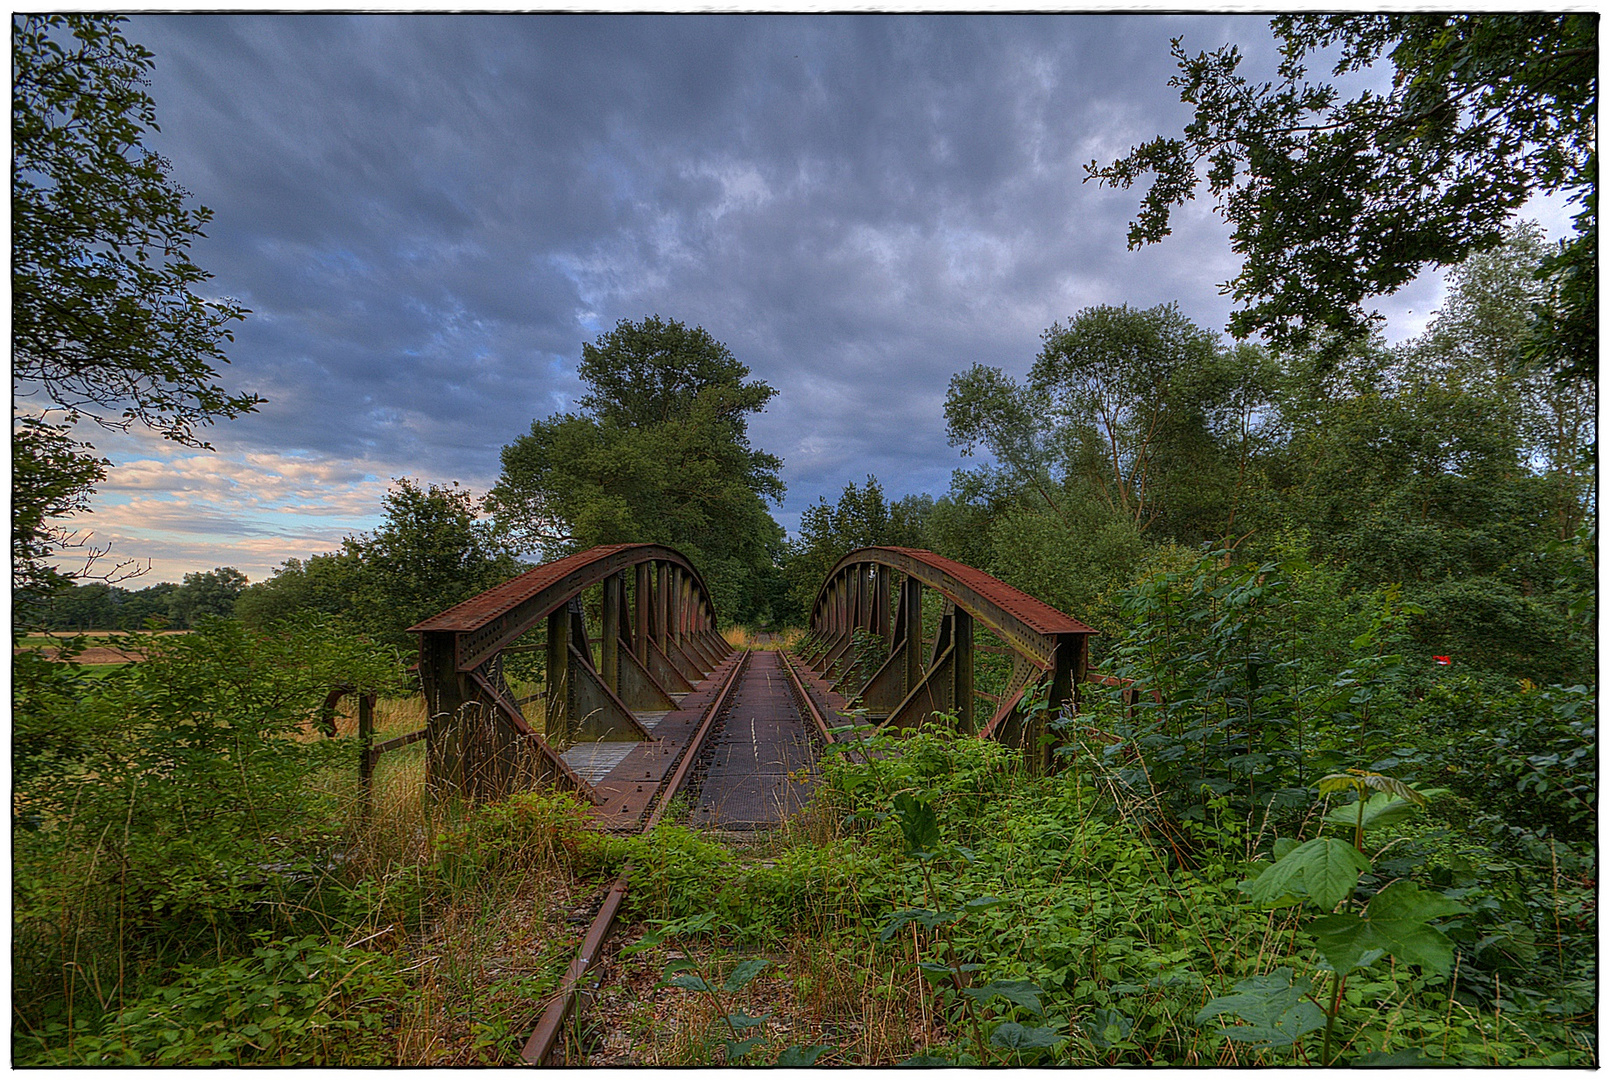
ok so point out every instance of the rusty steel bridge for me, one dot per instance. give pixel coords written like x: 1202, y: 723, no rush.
x: 657, y: 703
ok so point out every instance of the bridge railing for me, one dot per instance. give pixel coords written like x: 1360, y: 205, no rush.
x: 874, y: 596
x: 657, y: 639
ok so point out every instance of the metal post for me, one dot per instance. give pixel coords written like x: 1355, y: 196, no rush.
x: 880, y: 605
x: 614, y: 587
x: 557, y: 688
x: 366, y: 742
x: 662, y: 606
x: 911, y: 628
x: 962, y: 680
x: 642, y: 601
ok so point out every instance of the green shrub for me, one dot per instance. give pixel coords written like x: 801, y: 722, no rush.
x: 303, y: 1001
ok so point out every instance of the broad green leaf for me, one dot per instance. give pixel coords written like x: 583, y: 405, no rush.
x: 1019, y: 1038
x: 743, y: 1021
x: 1397, y: 1059
x: 925, y: 1061
x: 1018, y: 991
x: 736, y: 1050
x: 1395, y: 921
x: 1381, y: 808
x: 938, y: 973
x: 1107, y: 1028
x: 982, y: 903
x: 688, y: 982
x: 1360, y: 780
x: 643, y: 944
x: 741, y: 975
x: 1324, y: 869
x: 800, y: 1057
x: 918, y: 823
x: 925, y: 917
x: 1273, y: 1006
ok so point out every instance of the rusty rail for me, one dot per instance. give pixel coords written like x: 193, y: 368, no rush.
x: 539, y: 1047
x: 805, y: 699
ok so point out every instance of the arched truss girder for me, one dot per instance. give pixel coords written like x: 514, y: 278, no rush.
x: 654, y: 646
x: 858, y: 594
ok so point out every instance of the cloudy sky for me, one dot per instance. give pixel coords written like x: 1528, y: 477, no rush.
x: 429, y: 214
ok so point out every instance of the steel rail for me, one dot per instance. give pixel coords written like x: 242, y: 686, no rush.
x: 545, y: 1036
x: 805, y: 698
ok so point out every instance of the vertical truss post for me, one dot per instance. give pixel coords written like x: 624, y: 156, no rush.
x: 662, y: 606
x: 643, y: 600
x: 880, y: 606
x: 445, y: 694
x: 578, y: 630
x: 556, y: 689
x: 911, y: 629
x: 613, y: 591
x: 962, y: 680
x: 673, y: 606
x: 684, y: 607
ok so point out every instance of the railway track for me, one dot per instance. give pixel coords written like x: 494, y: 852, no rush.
x: 742, y: 745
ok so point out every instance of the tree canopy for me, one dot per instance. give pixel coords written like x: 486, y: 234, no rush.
x: 862, y: 517
x: 106, y: 320
x: 1141, y: 410
x: 658, y: 453
x: 1336, y: 200
x: 433, y: 550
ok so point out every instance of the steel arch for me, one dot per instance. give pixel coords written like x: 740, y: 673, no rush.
x: 655, y: 646
x: 1048, y: 646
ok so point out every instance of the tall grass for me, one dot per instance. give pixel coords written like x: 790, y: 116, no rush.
x: 742, y: 637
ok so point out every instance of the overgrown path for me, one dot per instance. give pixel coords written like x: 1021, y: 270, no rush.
x: 742, y: 747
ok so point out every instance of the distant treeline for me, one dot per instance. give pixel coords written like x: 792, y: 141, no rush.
x: 97, y: 606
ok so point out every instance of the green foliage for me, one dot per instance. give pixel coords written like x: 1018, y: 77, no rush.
x: 674, y: 870
x: 1395, y: 922
x: 1219, y: 707
x: 99, y: 606
x: 862, y: 517
x: 659, y: 453
x: 1490, y: 107
x: 52, y: 476
x: 1274, y: 1008
x: 525, y: 830
x: 289, y: 1002
x: 1323, y: 870
x: 168, y: 802
x: 432, y: 551
x: 106, y: 319
x: 1141, y: 411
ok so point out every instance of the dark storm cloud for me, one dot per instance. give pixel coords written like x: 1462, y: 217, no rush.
x: 429, y: 214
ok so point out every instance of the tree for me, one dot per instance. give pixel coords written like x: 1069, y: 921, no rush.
x: 322, y: 584
x: 862, y: 517
x: 432, y: 551
x: 1335, y: 201
x: 1482, y: 333
x: 213, y: 592
x: 107, y: 324
x: 658, y: 453
x: 1142, y: 410
x: 52, y: 476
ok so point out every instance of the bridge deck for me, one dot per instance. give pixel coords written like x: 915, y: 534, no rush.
x: 753, y: 773
x: 630, y: 773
